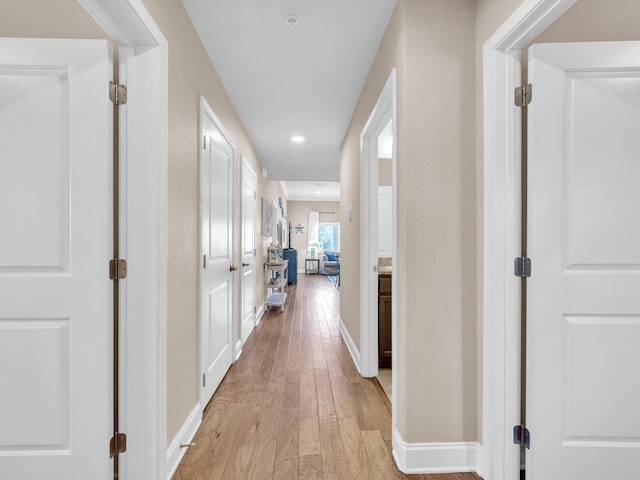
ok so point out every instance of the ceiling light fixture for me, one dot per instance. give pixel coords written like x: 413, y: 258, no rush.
x: 297, y: 139
x: 292, y: 21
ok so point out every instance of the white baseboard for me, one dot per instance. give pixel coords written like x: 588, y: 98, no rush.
x: 351, y: 346
x: 185, y: 435
x: 259, y: 314
x: 449, y: 457
x: 480, y: 466
x: 239, y: 344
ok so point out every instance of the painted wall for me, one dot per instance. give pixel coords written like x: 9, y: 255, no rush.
x: 45, y: 19
x: 384, y: 172
x: 431, y: 45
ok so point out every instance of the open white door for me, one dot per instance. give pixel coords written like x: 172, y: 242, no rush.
x: 217, y: 279
x: 248, y: 273
x: 55, y: 293
x: 583, y: 375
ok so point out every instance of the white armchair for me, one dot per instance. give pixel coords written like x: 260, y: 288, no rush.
x: 330, y: 263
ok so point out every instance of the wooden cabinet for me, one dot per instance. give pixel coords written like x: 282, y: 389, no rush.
x: 275, y: 283
x: 384, y: 320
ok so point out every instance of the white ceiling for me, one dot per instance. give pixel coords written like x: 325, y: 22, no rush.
x: 287, y: 81
x: 312, y: 191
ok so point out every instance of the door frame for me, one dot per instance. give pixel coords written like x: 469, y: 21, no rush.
x: 500, y: 459
x: 383, y: 111
x: 236, y: 347
x: 143, y: 57
x: 244, y: 163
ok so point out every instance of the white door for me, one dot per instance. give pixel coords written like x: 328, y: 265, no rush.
x: 217, y: 269
x: 248, y: 273
x: 55, y: 245
x: 583, y: 375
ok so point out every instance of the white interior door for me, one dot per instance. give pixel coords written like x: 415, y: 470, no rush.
x: 217, y: 279
x: 55, y: 245
x: 248, y: 272
x: 583, y: 376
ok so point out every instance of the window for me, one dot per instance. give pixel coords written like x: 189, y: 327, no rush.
x: 329, y: 237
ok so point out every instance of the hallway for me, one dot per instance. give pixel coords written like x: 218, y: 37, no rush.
x: 294, y: 406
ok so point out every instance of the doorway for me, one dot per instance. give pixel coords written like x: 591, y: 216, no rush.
x: 378, y: 203
x: 502, y: 63
x: 217, y: 271
x: 385, y: 258
x: 142, y: 57
x: 248, y: 254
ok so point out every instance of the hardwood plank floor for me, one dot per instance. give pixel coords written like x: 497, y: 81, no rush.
x: 294, y: 406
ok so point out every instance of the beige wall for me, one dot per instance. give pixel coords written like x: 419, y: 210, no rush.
x: 431, y: 44
x: 299, y: 214
x: 596, y: 20
x: 384, y: 172
x: 47, y: 19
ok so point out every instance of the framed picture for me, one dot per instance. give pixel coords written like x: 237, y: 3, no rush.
x: 268, y: 212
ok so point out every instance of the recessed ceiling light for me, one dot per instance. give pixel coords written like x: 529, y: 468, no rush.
x: 297, y: 139
x: 318, y: 193
x: 292, y: 21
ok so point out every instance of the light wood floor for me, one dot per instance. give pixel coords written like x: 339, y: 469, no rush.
x: 294, y: 406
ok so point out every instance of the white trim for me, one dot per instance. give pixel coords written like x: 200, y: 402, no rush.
x: 351, y: 346
x: 502, y: 194
x: 283, y: 185
x: 448, y: 457
x: 185, y: 435
x: 143, y: 59
x: 259, y: 314
x: 238, y: 350
x: 383, y: 111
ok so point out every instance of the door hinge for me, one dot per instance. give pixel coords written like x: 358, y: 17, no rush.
x: 524, y: 95
x: 255, y: 310
x: 204, y: 380
x: 255, y: 195
x: 204, y: 142
x: 117, y: 444
x: 521, y: 436
x: 117, y: 269
x: 522, y: 267
x: 204, y: 261
x: 117, y: 93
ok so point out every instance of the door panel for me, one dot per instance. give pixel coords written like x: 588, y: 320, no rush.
x: 583, y: 302
x: 55, y: 294
x: 217, y: 239
x: 249, y: 201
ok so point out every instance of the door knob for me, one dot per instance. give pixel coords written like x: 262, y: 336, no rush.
x: 233, y: 268
x: 246, y: 264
